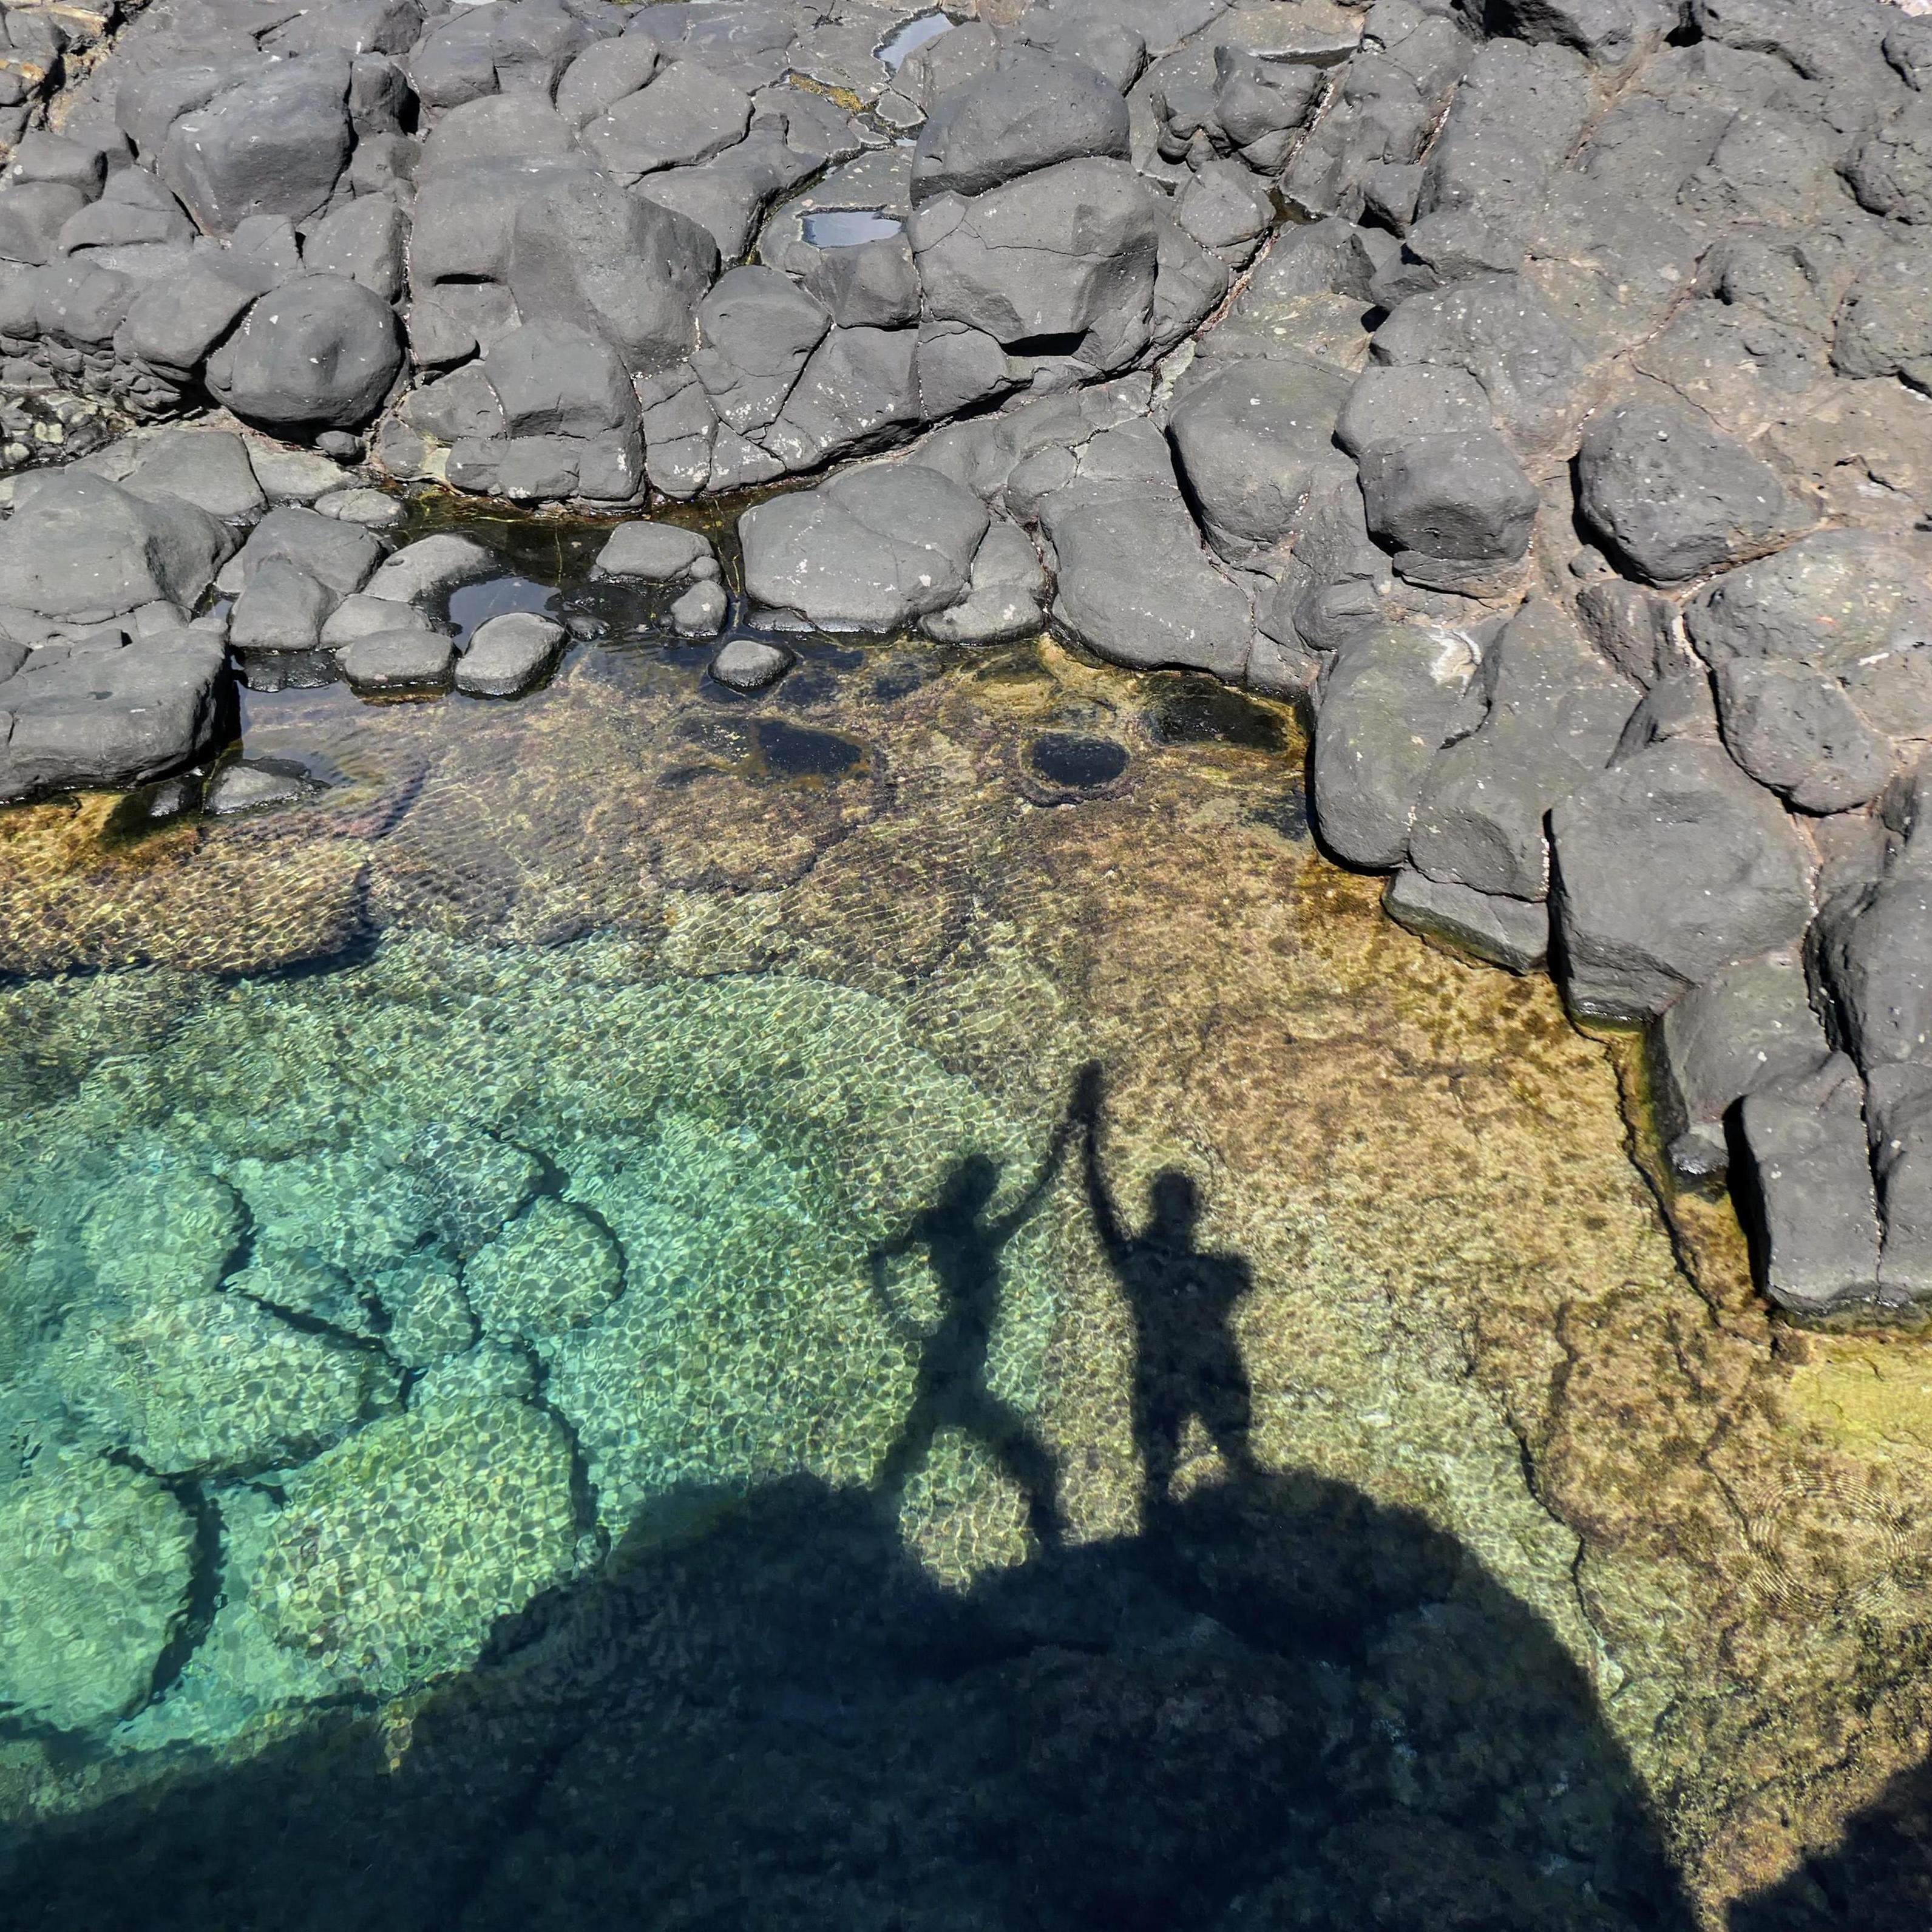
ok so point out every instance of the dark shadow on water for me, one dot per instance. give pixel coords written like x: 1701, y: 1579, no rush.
x: 1187, y: 1363
x: 1288, y: 1707
x: 963, y: 1242
x: 1280, y: 1705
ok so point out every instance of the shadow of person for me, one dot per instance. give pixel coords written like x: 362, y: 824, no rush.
x: 963, y: 1243
x: 1291, y: 1708
x: 1879, y: 1879
x: 1187, y: 1363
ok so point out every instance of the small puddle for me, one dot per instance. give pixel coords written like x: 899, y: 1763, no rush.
x: 909, y: 36
x: 849, y: 227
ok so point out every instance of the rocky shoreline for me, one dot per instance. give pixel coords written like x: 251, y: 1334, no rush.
x: 1538, y: 396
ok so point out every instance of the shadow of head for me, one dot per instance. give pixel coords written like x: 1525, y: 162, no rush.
x: 968, y: 1191
x: 1174, y: 1209
x: 1289, y: 1708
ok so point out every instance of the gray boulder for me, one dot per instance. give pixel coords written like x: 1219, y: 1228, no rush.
x: 858, y: 391
x: 1899, y: 1106
x: 275, y: 144
x: 110, y: 716
x: 362, y: 241
x: 1499, y: 330
x: 657, y: 553
x: 873, y: 548
x: 1389, y: 405
x: 173, y: 323
x: 684, y: 115
x: 81, y: 548
x: 1884, y: 327
x: 1556, y: 713
x: 1751, y: 1025
x: 1827, y: 600
x: 1513, y: 934
x: 1454, y: 508
x: 1891, y: 173
x: 250, y: 786
x: 757, y: 329
x: 397, y: 662
x: 1675, y: 499
x: 1065, y: 257
x: 1390, y: 697
x: 1811, y: 1197
x: 582, y: 251
x: 1795, y: 730
x: 430, y: 566
x: 209, y: 468
x: 1668, y: 867
x: 552, y: 378
x: 1005, y: 595
x: 748, y: 664
x: 283, y: 609
x: 1872, y: 953
x: 338, y: 555
x: 508, y: 654
x: 1248, y: 440
x: 1033, y: 112
x: 700, y: 611
x: 318, y: 353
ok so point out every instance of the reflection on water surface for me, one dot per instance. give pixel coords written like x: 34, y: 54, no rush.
x: 566, y: 1307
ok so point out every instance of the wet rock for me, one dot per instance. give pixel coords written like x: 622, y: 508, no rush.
x: 397, y: 660
x: 701, y: 612
x: 1507, y: 932
x: 253, y: 785
x: 399, y: 1549
x: 746, y: 664
x: 430, y: 1321
x: 509, y: 654
x: 875, y: 548
x: 1811, y: 1194
x: 429, y: 566
x: 212, y: 1383
x: 1555, y: 712
x: 553, y: 1269
x: 99, y: 1559
x: 1668, y: 867
x: 657, y: 553
x: 1390, y: 699
x: 320, y: 351
x: 362, y: 616
x: 1751, y: 1025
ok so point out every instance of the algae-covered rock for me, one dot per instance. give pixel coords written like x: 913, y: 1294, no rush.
x: 294, y: 1282
x: 400, y: 1547
x: 474, y: 1182
x: 95, y: 1561
x: 553, y: 1268
x: 162, y: 1226
x: 212, y: 1382
x: 429, y: 1319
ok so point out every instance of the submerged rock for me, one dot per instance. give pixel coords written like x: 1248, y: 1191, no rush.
x: 95, y: 1563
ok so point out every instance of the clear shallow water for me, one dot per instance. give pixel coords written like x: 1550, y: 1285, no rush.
x: 848, y: 227
x: 541, y: 1322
